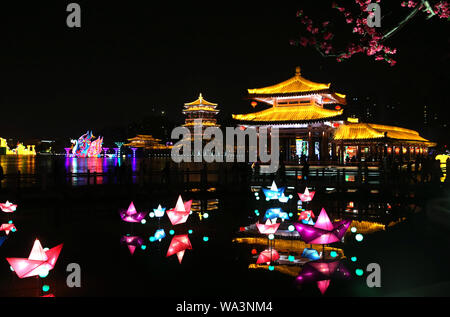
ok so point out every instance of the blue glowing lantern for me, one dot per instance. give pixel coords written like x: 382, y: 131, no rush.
x: 359, y: 272
x: 205, y: 238
x: 160, y: 234
x: 359, y: 237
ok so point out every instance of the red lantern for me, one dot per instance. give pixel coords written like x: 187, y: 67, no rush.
x: 338, y: 107
x: 254, y: 104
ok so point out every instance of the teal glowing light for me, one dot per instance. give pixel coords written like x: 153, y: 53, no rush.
x: 333, y: 254
x: 359, y: 272
x: 205, y: 239
x: 11, y: 268
x: 152, y: 214
x: 172, y: 232
x: 271, y: 236
x: 291, y: 258
x: 291, y: 228
x: 10, y: 221
x: 205, y: 215
x: 353, y: 258
x: 290, y: 214
x: 257, y: 198
x: 152, y: 239
x: 190, y: 231
x: 13, y: 229
x: 43, y: 274
x: 143, y: 221
x: 143, y: 247
x: 353, y: 229
x: 359, y: 237
x: 271, y: 267
x: 45, y: 288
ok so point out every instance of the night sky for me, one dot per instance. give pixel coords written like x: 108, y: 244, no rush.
x: 128, y: 59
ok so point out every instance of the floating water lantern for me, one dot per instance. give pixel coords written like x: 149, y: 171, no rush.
x: 45, y: 288
x: 333, y: 254
x: 254, y: 251
x: 205, y: 239
x: 359, y: 237
x: 271, y: 236
x: 143, y: 221
x: 172, y: 232
x: 291, y: 258
x: 190, y: 231
x: 353, y: 258
x: 359, y: 272
x: 152, y: 239
x: 205, y: 215
x: 291, y: 228
x: 143, y: 247
x: 353, y: 229
x: 271, y: 268
x: 152, y: 214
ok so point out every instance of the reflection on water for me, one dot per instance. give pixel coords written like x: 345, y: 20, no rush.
x: 318, y: 263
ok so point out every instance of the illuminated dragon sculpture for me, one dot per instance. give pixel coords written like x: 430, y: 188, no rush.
x: 86, y: 147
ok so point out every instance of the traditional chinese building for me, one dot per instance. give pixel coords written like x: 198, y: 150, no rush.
x: 311, y: 125
x: 372, y: 142
x: 146, y: 142
x: 200, y: 109
x: 304, y: 112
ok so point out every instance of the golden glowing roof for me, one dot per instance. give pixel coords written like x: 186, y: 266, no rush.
x: 362, y: 131
x: 142, y: 137
x: 292, y: 85
x: 289, y: 113
x: 200, y: 102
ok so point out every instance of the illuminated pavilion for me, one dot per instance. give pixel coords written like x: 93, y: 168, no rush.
x: 311, y: 125
x: 200, y: 109
x: 146, y: 142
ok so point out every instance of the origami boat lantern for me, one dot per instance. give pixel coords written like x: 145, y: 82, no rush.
x: 178, y: 245
x: 8, y: 207
x: 311, y: 254
x: 160, y: 234
x: 159, y: 212
x: 267, y: 256
x: 272, y: 213
x: 322, y: 272
x: 274, y: 192
x: 269, y: 227
x: 307, y: 195
x: 132, y: 242
x: 38, y: 262
x: 131, y: 215
x: 7, y: 227
x: 323, y: 231
x: 180, y: 213
x: 306, y: 215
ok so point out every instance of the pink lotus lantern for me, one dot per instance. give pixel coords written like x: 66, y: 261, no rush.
x: 178, y: 245
x: 131, y: 215
x: 180, y: 213
x: 7, y: 227
x: 132, y: 242
x: 267, y: 256
x: 38, y: 262
x: 323, y: 231
x: 307, y: 195
x: 8, y: 207
x: 269, y: 227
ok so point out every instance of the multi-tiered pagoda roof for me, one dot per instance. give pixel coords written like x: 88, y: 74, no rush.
x: 296, y: 100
